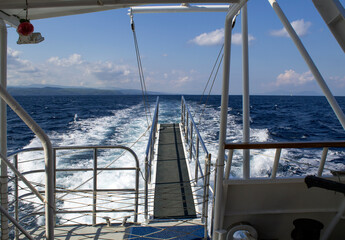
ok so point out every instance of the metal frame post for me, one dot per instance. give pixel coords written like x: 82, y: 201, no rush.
x: 3, y: 129
x: 94, y: 198
x: 48, y: 158
x: 191, y: 141
x: 146, y: 189
x: 196, y: 159
x: 323, y: 161
x: 16, y: 195
x: 233, y: 10
x: 245, y: 97
x: 317, y: 75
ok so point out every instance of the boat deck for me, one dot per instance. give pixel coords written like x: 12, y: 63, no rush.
x: 190, y: 230
x: 173, y: 193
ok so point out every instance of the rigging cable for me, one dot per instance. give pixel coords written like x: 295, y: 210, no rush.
x: 141, y: 74
x: 219, y: 62
x: 209, y: 93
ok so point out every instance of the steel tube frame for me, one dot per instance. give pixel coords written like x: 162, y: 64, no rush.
x: 94, y: 201
x: 245, y: 97
x: 149, y: 155
x: 48, y: 155
x: 234, y: 8
x: 4, y: 211
x: 3, y: 129
x: 16, y: 195
x: 180, y: 9
x: 323, y: 161
x: 276, y: 162
x: 317, y: 75
x: 94, y: 169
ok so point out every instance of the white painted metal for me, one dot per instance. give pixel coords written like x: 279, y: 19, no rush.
x: 333, y: 14
x: 180, y: 9
x: 3, y: 128
x: 265, y: 202
x: 276, y: 162
x: 40, y: 9
x: 245, y: 97
x: 322, y: 162
x: 48, y: 154
x: 330, y: 98
x: 234, y: 8
x: 228, y: 164
x: 10, y: 20
x: 334, y: 222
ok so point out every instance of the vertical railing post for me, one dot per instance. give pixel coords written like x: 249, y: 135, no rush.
x: 228, y: 164
x: 54, y: 166
x: 146, y: 188
x: 182, y: 111
x: 136, y: 192
x: 94, y: 204
x: 197, y: 159
x: 186, y: 127
x: 191, y: 141
x: 322, y: 162
x: 276, y: 162
x: 16, y: 196
x: 206, y: 193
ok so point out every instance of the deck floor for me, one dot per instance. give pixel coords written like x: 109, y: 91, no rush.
x: 173, y: 193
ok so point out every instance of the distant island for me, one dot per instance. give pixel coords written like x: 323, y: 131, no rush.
x: 65, y: 91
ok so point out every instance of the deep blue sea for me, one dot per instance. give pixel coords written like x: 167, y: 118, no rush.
x: 105, y: 120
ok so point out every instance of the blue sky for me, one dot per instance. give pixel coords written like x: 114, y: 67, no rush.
x: 178, y: 51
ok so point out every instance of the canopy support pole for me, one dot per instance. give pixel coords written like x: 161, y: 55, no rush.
x: 3, y: 130
x: 245, y: 97
x: 217, y: 227
x: 317, y: 75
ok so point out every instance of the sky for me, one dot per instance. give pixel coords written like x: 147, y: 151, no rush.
x: 178, y: 51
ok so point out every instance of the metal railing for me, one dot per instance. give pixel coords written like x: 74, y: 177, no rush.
x: 48, y: 152
x: 279, y: 146
x: 149, y: 154
x: 194, y: 141
x: 97, y: 203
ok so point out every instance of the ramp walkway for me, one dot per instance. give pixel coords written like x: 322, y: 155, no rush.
x: 173, y: 194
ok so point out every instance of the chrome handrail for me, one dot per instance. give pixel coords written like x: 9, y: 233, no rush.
x: 150, y: 153
x: 95, y: 170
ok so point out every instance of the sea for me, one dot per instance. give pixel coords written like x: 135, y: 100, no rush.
x: 123, y: 120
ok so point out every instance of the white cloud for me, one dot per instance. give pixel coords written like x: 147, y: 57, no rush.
x: 339, y: 81
x: 301, y: 27
x: 74, y: 70
x: 212, y: 38
x: 74, y: 59
x: 290, y: 77
x: 217, y: 37
x: 70, y: 71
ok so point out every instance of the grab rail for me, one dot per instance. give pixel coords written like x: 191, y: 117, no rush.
x: 188, y: 127
x: 49, y: 169
x: 95, y: 169
x: 279, y: 146
x: 150, y: 153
